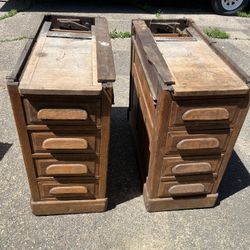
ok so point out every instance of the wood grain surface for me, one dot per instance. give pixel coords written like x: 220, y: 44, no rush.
x: 192, y: 168
x: 74, y: 190
x: 197, y: 69
x: 62, y: 114
x: 206, y: 114
x: 64, y: 143
x: 187, y: 189
x: 71, y: 63
x: 105, y: 61
x: 66, y: 169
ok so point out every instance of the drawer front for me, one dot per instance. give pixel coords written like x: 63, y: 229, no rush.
x: 63, y: 142
x: 204, y: 143
x: 208, y: 114
x: 176, y: 166
x: 62, y: 111
x: 192, y: 186
x: 66, y: 190
x: 67, y: 166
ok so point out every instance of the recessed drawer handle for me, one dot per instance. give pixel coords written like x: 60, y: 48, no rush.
x: 200, y: 143
x: 65, y: 143
x: 192, y: 168
x: 206, y: 114
x: 66, y: 169
x: 187, y: 189
x: 73, y: 190
x: 62, y: 114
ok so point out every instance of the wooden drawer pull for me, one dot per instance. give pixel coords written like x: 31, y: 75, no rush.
x: 73, y: 190
x: 65, y: 143
x: 62, y: 114
x: 187, y: 189
x: 192, y: 168
x: 200, y: 143
x: 66, y: 169
x: 206, y: 114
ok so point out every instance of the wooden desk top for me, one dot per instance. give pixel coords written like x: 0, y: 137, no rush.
x: 60, y: 65
x: 197, y: 69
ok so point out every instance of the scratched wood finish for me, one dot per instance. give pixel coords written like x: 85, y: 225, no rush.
x: 61, y: 102
x: 185, y: 139
x: 187, y: 59
x: 56, y: 53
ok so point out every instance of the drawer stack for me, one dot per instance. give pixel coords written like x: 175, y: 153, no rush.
x: 62, y: 106
x: 65, y: 137
x: 185, y: 111
x: 197, y: 140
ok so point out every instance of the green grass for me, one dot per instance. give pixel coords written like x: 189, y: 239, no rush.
x: 13, y: 39
x: 158, y: 13
x: 216, y: 33
x: 119, y: 34
x: 243, y: 14
x: 11, y: 13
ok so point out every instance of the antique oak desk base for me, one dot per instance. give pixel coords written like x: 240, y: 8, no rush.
x: 61, y: 96
x: 187, y: 105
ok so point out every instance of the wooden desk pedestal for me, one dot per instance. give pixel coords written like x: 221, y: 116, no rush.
x: 188, y: 102
x: 61, y: 95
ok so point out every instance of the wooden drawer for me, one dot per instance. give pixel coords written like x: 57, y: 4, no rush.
x: 66, y: 189
x: 205, y: 143
x: 205, y: 114
x: 62, y: 110
x: 65, y: 142
x: 68, y: 165
x: 176, y: 166
x: 187, y: 186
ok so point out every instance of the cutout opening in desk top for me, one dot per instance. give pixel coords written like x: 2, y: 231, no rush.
x: 78, y: 24
x: 170, y: 29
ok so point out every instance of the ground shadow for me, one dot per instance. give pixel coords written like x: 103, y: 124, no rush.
x: 4, y: 147
x: 114, y: 6
x: 236, y: 178
x: 123, y: 176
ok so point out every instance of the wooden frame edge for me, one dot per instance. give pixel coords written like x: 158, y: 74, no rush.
x: 56, y: 207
